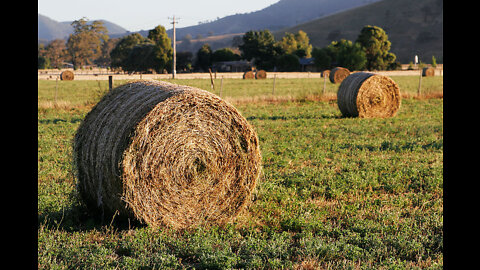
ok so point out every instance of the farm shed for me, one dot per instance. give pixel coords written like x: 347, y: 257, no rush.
x: 232, y: 66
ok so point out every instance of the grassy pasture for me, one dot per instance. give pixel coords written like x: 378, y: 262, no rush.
x: 336, y: 193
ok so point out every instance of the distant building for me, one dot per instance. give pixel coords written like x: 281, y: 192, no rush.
x: 232, y: 66
x: 308, y: 64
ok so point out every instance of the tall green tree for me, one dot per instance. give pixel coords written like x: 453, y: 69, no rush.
x: 323, y: 58
x: 120, y: 53
x: 376, y: 45
x: 56, y: 52
x: 163, y: 51
x: 347, y: 54
x: 298, y: 44
x: 224, y: 54
x: 204, y: 57
x: 84, y: 45
x: 260, y: 46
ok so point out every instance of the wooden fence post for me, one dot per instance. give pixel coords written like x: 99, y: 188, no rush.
x: 110, y: 82
x: 221, y: 86
x: 274, y: 79
x: 324, y: 84
x: 56, y: 89
x: 419, y: 83
x: 212, y: 83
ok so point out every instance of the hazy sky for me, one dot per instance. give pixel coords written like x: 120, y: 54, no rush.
x: 135, y: 15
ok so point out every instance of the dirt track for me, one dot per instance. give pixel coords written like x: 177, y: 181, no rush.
x: 84, y: 75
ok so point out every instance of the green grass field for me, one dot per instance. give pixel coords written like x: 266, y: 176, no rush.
x: 336, y: 193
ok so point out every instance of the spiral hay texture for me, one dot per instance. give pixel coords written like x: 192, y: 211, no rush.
x: 167, y: 155
x: 248, y: 75
x: 428, y: 72
x: 67, y: 75
x: 368, y: 95
x: 338, y: 74
x: 260, y: 74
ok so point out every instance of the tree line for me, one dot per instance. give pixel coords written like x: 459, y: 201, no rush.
x: 89, y: 44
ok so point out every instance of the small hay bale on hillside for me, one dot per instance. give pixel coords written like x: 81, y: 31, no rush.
x: 260, y: 74
x: 248, y: 75
x: 428, y: 72
x: 167, y: 155
x: 67, y: 75
x: 368, y: 95
x: 338, y: 74
x: 326, y: 73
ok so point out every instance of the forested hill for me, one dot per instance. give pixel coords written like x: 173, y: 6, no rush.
x: 415, y: 27
x: 285, y: 13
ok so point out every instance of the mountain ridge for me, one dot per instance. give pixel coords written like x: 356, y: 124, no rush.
x: 49, y: 29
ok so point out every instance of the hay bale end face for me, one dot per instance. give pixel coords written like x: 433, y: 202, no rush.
x: 338, y: 74
x: 166, y: 155
x: 260, y: 74
x: 368, y: 95
x: 67, y: 75
x: 248, y: 75
x: 326, y: 73
x: 428, y: 72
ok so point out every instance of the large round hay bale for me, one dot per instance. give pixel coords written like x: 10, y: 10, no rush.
x: 368, y: 95
x: 428, y: 72
x: 167, y: 155
x: 338, y: 74
x: 260, y: 74
x: 248, y: 75
x: 67, y: 75
x: 326, y: 73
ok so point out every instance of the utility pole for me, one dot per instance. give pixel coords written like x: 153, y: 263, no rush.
x: 174, y: 68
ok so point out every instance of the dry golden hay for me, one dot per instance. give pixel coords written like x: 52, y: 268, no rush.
x: 338, y: 74
x: 368, y: 95
x: 167, y: 155
x: 428, y: 72
x: 261, y: 74
x: 248, y: 75
x: 67, y: 75
x: 325, y: 73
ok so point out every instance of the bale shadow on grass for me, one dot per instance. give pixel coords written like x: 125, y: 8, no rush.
x: 77, y: 217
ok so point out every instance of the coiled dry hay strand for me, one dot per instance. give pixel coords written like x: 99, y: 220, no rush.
x: 167, y: 155
x: 368, y: 95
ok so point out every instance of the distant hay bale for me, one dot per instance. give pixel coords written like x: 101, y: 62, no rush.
x: 260, y: 74
x: 67, y: 75
x: 368, y: 95
x: 338, y: 74
x: 325, y: 73
x: 167, y: 155
x: 248, y: 75
x: 428, y: 72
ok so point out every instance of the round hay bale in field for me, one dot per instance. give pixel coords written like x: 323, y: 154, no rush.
x: 248, y: 75
x: 338, y: 74
x: 167, y: 155
x: 428, y: 72
x: 261, y: 74
x: 326, y: 73
x: 368, y: 95
x: 67, y: 75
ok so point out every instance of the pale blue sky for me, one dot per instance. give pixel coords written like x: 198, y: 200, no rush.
x: 135, y: 15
